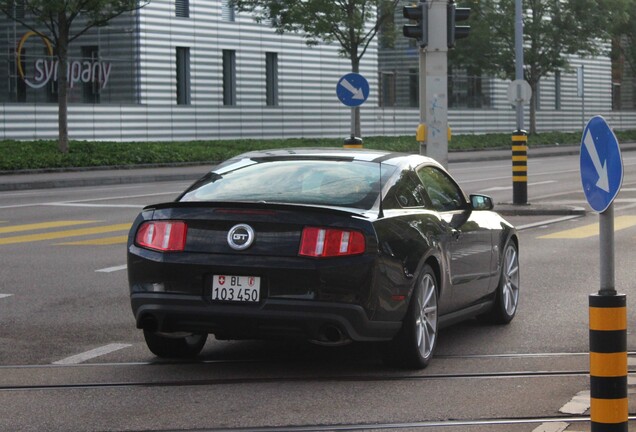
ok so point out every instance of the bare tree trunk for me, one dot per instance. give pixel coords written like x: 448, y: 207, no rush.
x: 355, y: 67
x: 533, y: 111
x: 62, y: 84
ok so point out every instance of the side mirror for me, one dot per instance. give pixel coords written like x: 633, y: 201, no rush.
x: 481, y: 202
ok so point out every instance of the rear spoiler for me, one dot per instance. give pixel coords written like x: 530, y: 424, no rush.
x: 344, y: 211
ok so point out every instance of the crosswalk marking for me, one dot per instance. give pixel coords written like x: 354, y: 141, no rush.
x: 97, y: 242
x: 62, y: 234
x: 43, y: 225
x: 620, y: 223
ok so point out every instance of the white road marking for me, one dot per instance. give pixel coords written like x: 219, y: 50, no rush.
x: 80, y: 358
x: 5, y: 295
x: 578, y: 405
x: 66, y: 204
x: 545, y: 222
x: 552, y: 427
x: 500, y: 188
x: 88, y: 200
x: 112, y: 269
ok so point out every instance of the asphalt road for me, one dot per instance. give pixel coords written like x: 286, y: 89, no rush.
x: 71, y: 358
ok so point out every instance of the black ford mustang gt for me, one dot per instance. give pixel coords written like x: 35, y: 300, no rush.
x: 330, y: 245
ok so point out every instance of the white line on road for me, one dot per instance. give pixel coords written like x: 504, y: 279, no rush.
x: 5, y: 295
x: 552, y: 427
x: 500, y: 188
x: 80, y: 358
x: 578, y: 405
x: 112, y: 269
x: 65, y: 204
x: 545, y: 222
x: 88, y: 200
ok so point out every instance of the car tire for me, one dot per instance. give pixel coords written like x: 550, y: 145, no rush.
x: 165, y: 345
x: 507, y: 294
x: 414, y: 345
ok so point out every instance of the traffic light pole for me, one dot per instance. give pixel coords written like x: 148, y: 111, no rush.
x: 433, y: 83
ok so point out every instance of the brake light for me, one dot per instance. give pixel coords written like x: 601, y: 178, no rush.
x: 331, y: 242
x: 165, y: 236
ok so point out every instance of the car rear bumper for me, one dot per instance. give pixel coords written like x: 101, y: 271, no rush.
x: 326, y: 322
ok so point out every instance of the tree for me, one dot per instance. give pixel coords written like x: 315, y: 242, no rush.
x: 341, y: 21
x: 553, y: 30
x: 624, y: 46
x: 58, y: 18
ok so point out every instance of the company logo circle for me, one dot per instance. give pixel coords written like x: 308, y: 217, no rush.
x: 18, y: 53
x: 240, y: 237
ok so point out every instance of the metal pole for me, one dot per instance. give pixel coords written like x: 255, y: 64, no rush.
x: 434, y: 84
x: 519, y: 59
x: 353, y: 141
x: 421, y: 131
x: 606, y: 239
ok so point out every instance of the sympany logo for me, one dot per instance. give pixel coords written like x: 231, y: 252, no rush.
x: 46, y: 69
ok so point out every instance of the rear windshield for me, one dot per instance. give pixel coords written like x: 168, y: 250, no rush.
x: 354, y: 184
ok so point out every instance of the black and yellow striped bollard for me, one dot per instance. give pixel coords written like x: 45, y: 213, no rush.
x: 608, y: 363
x: 520, y: 167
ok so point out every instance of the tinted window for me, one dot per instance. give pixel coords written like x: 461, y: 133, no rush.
x: 322, y: 182
x: 444, y: 194
x: 407, y: 192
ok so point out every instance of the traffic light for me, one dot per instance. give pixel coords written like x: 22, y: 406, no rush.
x: 419, y: 30
x: 453, y: 15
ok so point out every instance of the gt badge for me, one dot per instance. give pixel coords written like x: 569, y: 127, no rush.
x: 240, y: 237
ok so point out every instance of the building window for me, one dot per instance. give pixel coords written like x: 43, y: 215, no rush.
x: 17, y: 87
x: 227, y: 11
x: 183, y: 76
x: 271, y: 78
x: 17, y: 9
x: 414, y: 87
x: 557, y: 90
x: 90, y: 88
x: 229, y: 77
x: 182, y: 8
x: 387, y: 92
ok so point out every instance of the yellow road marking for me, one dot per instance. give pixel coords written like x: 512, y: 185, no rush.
x: 63, y: 234
x: 43, y: 225
x: 586, y: 231
x: 99, y: 242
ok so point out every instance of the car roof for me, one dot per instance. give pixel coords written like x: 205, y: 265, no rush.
x: 368, y: 155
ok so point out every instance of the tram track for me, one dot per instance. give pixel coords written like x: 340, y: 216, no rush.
x: 445, y: 425
x: 246, y: 378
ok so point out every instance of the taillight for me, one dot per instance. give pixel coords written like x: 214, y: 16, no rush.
x: 331, y: 242
x: 166, y: 236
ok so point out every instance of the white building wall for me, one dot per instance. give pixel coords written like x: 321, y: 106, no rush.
x: 308, y: 106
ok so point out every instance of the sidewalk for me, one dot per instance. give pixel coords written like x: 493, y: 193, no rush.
x: 79, y: 177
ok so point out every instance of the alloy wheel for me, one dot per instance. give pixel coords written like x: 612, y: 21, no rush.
x: 510, y: 288
x: 426, y: 320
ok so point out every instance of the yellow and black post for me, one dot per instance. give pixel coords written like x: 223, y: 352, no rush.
x: 608, y: 363
x: 520, y: 167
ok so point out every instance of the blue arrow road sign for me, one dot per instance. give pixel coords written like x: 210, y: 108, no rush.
x: 601, y: 164
x: 352, y: 89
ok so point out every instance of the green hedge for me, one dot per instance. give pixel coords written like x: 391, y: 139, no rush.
x: 25, y: 155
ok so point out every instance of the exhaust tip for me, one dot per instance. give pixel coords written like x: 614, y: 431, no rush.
x: 331, y: 335
x: 148, y: 323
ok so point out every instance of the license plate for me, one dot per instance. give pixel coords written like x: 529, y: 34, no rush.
x: 236, y: 288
